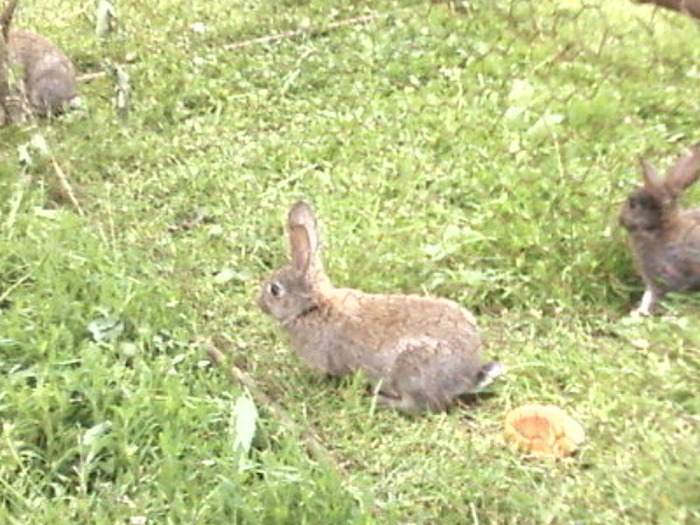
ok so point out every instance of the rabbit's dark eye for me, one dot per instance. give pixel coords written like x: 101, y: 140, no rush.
x: 275, y: 289
x: 632, y: 202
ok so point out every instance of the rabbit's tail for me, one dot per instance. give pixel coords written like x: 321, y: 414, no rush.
x: 488, y: 373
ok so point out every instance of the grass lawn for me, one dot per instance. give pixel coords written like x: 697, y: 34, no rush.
x: 477, y: 151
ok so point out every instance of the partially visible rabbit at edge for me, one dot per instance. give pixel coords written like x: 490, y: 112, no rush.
x: 48, y: 83
x: 665, y: 237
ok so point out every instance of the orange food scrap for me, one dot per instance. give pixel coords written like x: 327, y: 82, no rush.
x: 546, y: 430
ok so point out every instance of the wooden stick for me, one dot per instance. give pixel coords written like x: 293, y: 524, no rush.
x: 13, y: 287
x: 63, y: 181
x: 313, y: 445
x: 299, y: 32
x: 89, y: 77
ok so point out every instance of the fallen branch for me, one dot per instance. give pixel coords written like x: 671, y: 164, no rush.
x: 13, y: 287
x: 312, y: 444
x: 305, y: 31
x: 89, y: 77
x: 66, y: 187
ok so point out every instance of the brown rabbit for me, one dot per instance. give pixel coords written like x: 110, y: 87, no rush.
x: 691, y: 7
x: 665, y: 238
x: 419, y: 353
x: 5, y: 20
x: 48, y: 76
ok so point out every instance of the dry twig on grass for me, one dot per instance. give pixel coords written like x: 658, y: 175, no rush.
x: 313, y: 445
x: 311, y: 31
x: 89, y: 77
x: 66, y: 187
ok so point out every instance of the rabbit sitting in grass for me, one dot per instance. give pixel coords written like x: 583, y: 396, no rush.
x: 48, y: 84
x: 690, y: 7
x: 419, y: 353
x: 665, y: 238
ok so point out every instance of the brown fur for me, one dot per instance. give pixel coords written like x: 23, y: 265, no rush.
x: 420, y: 353
x: 665, y: 238
x: 4, y: 86
x: 5, y: 21
x: 690, y: 7
x: 47, y: 86
x: 48, y: 74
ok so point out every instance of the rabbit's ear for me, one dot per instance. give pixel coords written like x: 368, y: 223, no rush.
x: 685, y: 171
x: 653, y: 183
x: 301, y: 214
x: 303, y: 234
x: 652, y: 179
x: 301, y: 248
